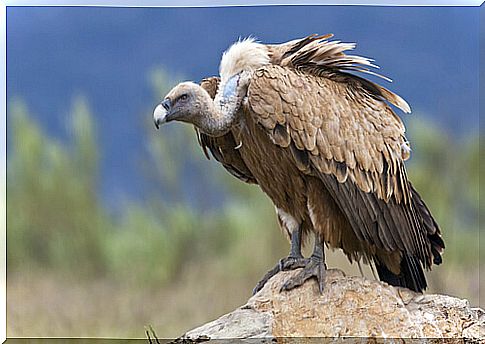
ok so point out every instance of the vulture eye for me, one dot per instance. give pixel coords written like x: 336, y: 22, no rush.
x: 184, y: 97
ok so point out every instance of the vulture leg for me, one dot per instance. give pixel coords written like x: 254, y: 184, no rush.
x: 294, y: 260
x: 315, y: 267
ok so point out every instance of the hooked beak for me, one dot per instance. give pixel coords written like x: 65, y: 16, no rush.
x: 161, y: 112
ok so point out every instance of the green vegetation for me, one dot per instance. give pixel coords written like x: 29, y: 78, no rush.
x: 56, y: 221
x: 58, y: 227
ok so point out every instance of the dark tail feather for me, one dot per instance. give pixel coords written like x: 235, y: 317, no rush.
x: 432, y: 229
x: 411, y: 276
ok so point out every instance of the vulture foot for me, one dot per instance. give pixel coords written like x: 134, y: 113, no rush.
x: 315, y: 268
x: 292, y: 263
x: 285, y: 264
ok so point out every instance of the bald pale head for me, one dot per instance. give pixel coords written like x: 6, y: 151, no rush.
x: 183, y: 103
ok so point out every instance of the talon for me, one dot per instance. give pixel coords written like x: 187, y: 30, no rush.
x: 314, y: 268
x: 266, y: 278
x: 288, y: 285
x: 285, y: 264
x: 292, y: 263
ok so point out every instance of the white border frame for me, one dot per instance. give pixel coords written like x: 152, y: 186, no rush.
x: 134, y: 3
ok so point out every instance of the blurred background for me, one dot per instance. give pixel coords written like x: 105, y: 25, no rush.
x: 113, y: 226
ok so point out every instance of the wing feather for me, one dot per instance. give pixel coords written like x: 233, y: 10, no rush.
x: 319, y: 56
x: 351, y: 140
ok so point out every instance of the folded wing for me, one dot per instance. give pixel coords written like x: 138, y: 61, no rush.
x: 342, y: 132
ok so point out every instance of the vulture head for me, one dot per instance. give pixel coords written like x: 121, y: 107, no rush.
x: 190, y: 103
x: 183, y: 103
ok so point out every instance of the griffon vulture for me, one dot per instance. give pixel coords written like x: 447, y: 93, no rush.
x: 326, y: 147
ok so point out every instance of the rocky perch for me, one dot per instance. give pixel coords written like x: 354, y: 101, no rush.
x: 349, y: 307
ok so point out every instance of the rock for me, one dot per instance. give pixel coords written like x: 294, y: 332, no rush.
x: 348, y: 307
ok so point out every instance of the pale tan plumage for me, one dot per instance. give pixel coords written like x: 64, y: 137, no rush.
x: 329, y: 151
